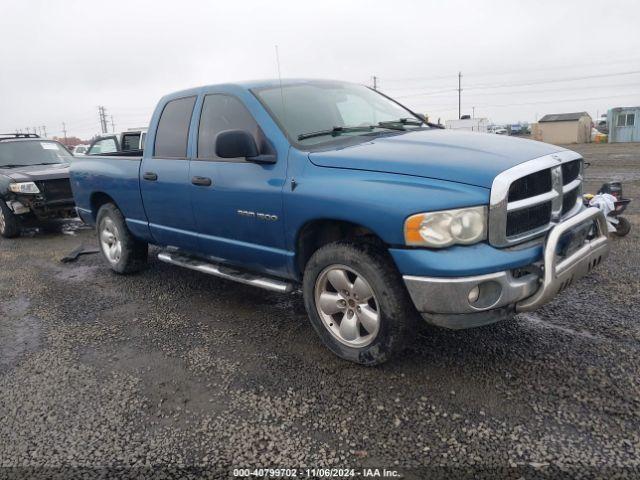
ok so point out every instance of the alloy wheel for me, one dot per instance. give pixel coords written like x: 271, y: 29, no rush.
x: 347, y: 305
x: 110, y: 241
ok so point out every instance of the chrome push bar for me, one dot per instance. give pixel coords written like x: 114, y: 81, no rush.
x: 559, y: 275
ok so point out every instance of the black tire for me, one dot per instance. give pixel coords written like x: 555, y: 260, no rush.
x: 397, y: 315
x: 133, y: 252
x: 623, y: 227
x: 9, y: 227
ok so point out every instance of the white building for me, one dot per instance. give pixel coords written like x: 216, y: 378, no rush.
x: 470, y: 124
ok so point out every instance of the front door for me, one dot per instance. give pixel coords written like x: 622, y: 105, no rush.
x: 239, y: 214
x: 164, y: 178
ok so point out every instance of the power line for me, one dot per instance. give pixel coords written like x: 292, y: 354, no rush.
x: 546, y: 90
x: 512, y: 72
x: 568, y: 100
x: 525, y: 84
x: 568, y: 79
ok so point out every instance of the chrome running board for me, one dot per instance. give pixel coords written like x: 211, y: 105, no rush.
x: 228, y: 273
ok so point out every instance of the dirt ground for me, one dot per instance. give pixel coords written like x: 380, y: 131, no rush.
x: 174, y: 374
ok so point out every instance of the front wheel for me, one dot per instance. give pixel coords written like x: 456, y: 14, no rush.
x: 9, y: 227
x: 357, y: 302
x: 123, y: 252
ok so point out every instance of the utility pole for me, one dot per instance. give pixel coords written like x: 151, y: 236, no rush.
x: 375, y: 82
x: 103, y: 118
x: 459, y: 95
x: 473, y: 112
x: 64, y: 131
x: 113, y: 125
x: 44, y: 131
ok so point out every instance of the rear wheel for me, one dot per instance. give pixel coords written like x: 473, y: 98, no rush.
x: 623, y: 227
x: 357, y: 302
x: 123, y: 252
x: 9, y: 227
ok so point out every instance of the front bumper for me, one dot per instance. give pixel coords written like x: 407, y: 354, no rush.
x: 464, y: 302
x: 42, y: 209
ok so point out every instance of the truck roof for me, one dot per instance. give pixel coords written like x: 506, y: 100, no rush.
x: 250, y: 84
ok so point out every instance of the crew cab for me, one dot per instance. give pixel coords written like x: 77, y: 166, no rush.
x: 339, y: 190
x: 34, y: 182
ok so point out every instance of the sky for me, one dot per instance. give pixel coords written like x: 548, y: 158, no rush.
x: 519, y: 60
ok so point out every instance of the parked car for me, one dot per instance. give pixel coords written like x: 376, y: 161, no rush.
x: 34, y: 182
x: 339, y: 189
x: 114, y: 143
x: 80, y: 150
x: 500, y: 131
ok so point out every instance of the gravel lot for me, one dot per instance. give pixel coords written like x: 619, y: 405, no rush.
x: 102, y: 373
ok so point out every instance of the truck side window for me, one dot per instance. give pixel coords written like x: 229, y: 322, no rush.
x: 173, y: 128
x: 219, y: 113
x: 106, y: 145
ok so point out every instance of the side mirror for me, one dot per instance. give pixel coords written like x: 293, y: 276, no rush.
x: 235, y: 144
x: 240, y: 144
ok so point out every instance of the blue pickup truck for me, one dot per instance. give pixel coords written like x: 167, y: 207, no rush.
x: 379, y: 217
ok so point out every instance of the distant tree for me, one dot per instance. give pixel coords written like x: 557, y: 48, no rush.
x: 70, y: 141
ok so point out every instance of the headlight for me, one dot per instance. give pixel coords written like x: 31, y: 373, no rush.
x: 462, y: 226
x: 24, y: 187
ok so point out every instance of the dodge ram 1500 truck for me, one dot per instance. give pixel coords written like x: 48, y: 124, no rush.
x: 340, y: 189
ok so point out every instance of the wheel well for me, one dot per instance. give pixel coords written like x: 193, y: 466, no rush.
x: 98, y: 199
x: 319, y: 233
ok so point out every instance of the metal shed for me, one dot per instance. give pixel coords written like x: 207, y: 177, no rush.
x: 563, y: 128
x: 624, y: 124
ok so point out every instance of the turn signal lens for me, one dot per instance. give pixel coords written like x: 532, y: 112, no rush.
x: 462, y: 226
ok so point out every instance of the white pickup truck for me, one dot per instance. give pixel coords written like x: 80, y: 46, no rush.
x: 127, y: 141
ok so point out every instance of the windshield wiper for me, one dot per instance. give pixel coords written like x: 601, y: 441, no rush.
x: 12, y: 165
x: 336, y: 131
x: 401, y: 122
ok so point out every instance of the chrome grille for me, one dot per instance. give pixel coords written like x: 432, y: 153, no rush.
x: 528, y: 219
x: 528, y: 199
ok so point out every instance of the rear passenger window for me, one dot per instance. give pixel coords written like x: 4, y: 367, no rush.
x: 219, y: 113
x: 173, y: 129
x: 131, y: 142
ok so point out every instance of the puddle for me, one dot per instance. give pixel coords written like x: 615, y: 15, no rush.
x: 534, y: 319
x: 77, y: 273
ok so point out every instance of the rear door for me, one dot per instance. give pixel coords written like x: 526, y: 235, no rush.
x: 237, y: 203
x: 164, y: 178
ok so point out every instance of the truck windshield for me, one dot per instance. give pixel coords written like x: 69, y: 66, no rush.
x: 32, y: 152
x: 317, y: 112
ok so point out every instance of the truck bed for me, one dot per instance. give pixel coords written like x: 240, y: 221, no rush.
x: 99, y: 178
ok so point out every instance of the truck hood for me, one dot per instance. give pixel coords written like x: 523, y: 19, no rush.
x: 453, y: 155
x: 32, y: 173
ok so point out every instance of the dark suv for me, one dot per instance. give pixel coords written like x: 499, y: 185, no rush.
x: 34, y: 182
